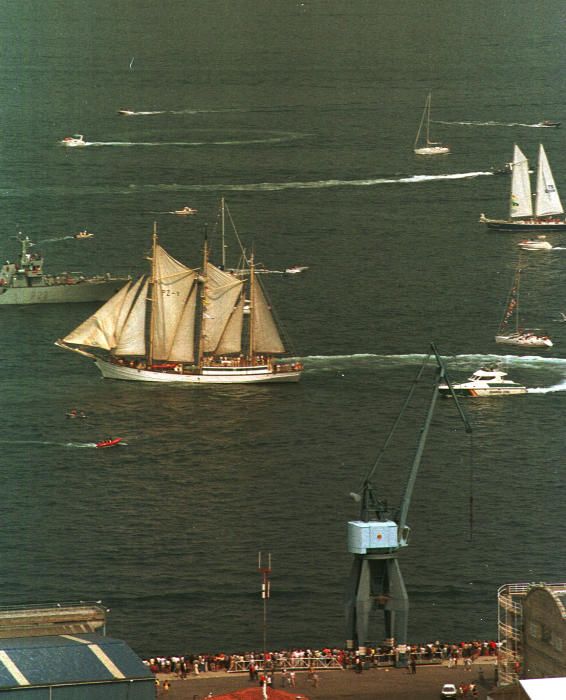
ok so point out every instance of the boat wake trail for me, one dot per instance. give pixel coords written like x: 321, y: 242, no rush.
x: 325, y: 363
x: 272, y: 137
x: 313, y: 185
x: 492, y: 123
x: 561, y: 386
x: 149, y: 113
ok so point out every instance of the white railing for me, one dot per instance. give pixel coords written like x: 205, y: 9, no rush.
x: 318, y: 663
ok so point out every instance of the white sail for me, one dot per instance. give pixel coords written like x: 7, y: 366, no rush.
x: 266, y: 337
x: 231, y: 340
x: 521, y: 203
x: 183, y: 345
x: 173, y: 284
x: 99, y: 330
x: 130, y: 329
x: 547, y: 200
x: 222, y: 292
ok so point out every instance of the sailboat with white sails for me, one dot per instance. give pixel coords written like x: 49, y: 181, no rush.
x: 548, y: 210
x: 510, y: 332
x: 184, y: 325
x: 426, y: 147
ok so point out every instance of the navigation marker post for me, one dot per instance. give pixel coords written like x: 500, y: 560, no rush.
x: 265, y: 571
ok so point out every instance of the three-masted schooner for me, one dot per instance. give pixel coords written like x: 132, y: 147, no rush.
x: 185, y: 325
x: 548, y: 211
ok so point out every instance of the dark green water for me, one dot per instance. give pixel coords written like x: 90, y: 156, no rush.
x: 303, y: 115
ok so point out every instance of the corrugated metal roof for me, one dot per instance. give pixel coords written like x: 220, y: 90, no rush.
x: 29, y: 661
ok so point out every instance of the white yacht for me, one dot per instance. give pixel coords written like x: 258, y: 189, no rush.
x: 487, y: 381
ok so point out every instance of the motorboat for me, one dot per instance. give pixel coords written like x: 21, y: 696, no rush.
x: 73, y: 141
x: 505, y: 170
x: 185, y: 211
x: 538, y: 243
x: 549, y: 123
x: 83, y: 234
x: 75, y: 413
x: 109, y: 442
x: 487, y: 381
x: 296, y: 269
x: 126, y: 112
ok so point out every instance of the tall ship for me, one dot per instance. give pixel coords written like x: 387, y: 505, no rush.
x: 548, y: 211
x: 187, y: 325
x: 24, y: 282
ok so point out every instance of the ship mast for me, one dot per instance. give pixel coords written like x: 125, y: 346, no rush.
x: 153, y: 296
x: 222, y: 209
x: 252, y: 309
x: 203, y: 281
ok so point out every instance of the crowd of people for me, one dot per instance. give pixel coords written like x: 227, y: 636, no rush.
x: 289, y: 660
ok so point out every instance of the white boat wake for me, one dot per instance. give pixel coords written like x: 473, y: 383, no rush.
x: 275, y: 137
x: 493, y: 123
x: 561, y: 386
x: 150, y: 113
x: 310, y: 185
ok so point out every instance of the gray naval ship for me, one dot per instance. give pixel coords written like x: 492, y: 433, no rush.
x: 24, y: 282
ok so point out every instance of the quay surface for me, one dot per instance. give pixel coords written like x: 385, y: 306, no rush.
x: 374, y: 684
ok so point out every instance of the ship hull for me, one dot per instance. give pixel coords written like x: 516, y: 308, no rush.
x: 505, y: 225
x: 492, y: 390
x: 525, y: 342
x: 241, y: 375
x: 97, y: 290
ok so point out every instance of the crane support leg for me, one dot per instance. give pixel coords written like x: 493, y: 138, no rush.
x: 376, y: 582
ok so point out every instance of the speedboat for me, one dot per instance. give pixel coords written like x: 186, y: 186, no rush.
x: 126, y: 112
x: 185, y: 211
x: 75, y: 413
x: 295, y: 269
x: 73, y: 141
x: 83, y: 234
x: 549, y: 123
x: 487, y: 381
x: 538, y: 243
x: 110, y: 442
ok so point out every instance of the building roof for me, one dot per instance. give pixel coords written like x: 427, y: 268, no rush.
x: 545, y: 688
x: 62, y: 659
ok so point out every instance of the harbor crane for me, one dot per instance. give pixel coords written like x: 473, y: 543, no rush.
x: 377, y: 538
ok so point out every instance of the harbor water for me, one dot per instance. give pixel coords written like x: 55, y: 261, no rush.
x: 303, y: 116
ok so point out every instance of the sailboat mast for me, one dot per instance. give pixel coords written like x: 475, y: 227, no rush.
x: 153, y: 295
x: 429, y: 99
x: 517, y: 284
x: 222, y: 209
x: 202, y: 302
x: 252, y: 309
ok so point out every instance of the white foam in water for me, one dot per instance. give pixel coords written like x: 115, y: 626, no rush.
x: 561, y: 386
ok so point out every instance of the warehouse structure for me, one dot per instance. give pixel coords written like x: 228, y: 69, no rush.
x: 58, y: 653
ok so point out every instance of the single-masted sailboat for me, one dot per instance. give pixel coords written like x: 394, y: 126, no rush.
x: 426, y: 147
x: 548, y: 210
x: 184, y: 325
x: 510, y: 332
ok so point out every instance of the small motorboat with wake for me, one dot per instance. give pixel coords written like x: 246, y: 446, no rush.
x: 185, y: 211
x: 126, y: 112
x: 538, y: 243
x: 295, y: 269
x: 75, y: 413
x: 83, y: 234
x: 109, y: 442
x: 487, y: 381
x: 73, y: 141
x: 549, y: 123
